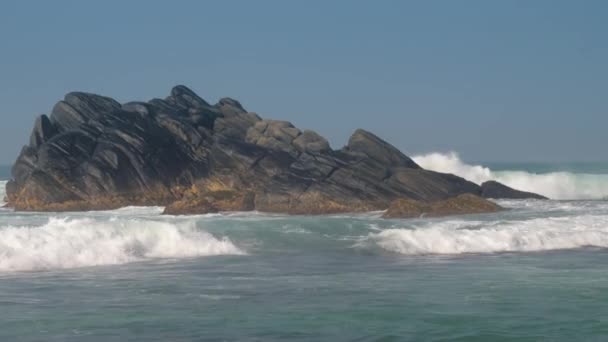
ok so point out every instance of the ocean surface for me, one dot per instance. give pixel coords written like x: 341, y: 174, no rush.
x: 537, y: 272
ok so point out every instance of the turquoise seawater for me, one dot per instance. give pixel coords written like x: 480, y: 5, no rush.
x: 537, y: 272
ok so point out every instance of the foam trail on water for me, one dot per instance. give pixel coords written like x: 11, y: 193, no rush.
x: 555, y: 185
x: 69, y: 243
x: 457, y: 237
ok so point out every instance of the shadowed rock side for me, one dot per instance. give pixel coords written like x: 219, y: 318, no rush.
x: 461, y: 204
x: 493, y: 189
x: 193, y: 157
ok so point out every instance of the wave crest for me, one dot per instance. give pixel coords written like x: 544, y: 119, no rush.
x: 458, y: 237
x: 555, y: 185
x: 70, y: 243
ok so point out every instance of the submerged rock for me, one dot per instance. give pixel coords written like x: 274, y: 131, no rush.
x: 194, y: 157
x: 459, y: 205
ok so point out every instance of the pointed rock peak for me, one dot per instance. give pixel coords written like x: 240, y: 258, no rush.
x: 186, y: 97
x: 65, y: 117
x: 78, y: 108
x: 227, y: 101
x: 362, y: 138
x: 82, y: 96
x: 91, y: 105
x: 90, y: 102
x: 42, y: 132
x: 180, y: 89
x: 374, y: 147
x: 360, y: 133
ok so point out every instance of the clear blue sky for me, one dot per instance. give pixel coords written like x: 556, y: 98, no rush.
x: 493, y: 80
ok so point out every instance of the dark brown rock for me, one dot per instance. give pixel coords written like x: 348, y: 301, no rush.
x: 459, y: 205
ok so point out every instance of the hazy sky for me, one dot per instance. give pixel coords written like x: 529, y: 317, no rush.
x: 492, y: 80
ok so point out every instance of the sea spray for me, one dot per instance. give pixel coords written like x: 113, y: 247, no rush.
x: 2, y: 193
x: 69, y: 243
x: 555, y: 185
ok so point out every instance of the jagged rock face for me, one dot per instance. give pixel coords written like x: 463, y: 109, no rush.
x: 94, y: 153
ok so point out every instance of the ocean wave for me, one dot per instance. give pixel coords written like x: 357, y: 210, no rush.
x: 69, y: 243
x: 555, y: 185
x: 459, y: 237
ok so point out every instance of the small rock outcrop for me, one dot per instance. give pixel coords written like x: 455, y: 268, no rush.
x: 493, y: 189
x: 194, y: 157
x: 459, y: 205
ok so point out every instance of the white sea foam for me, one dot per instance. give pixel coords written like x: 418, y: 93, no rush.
x: 2, y: 192
x: 461, y: 236
x: 132, y: 211
x: 555, y: 185
x: 69, y: 243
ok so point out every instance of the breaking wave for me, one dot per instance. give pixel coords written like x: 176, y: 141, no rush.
x: 555, y: 185
x: 70, y: 243
x: 458, y: 237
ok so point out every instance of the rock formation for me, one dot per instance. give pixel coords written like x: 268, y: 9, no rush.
x: 193, y: 157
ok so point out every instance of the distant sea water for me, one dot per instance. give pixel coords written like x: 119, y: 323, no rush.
x: 537, y: 272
